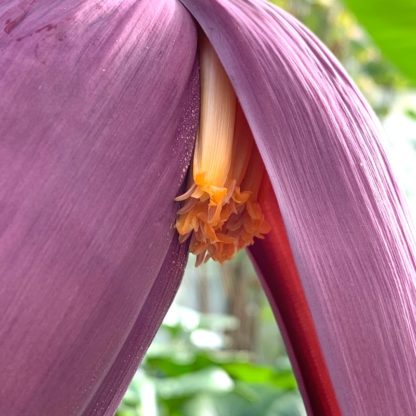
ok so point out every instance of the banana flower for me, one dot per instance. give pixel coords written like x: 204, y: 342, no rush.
x: 99, y: 111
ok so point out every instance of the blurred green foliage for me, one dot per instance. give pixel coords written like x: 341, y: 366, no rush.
x: 392, y: 26
x: 411, y: 113
x: 180, y: 378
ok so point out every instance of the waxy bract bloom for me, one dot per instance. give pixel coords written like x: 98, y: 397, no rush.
x: 99, y: 109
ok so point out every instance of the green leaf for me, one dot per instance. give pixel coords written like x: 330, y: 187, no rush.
x: 252, y: 373
x: 208, y: 380
x: 392, y: 25
x: 411, y: 113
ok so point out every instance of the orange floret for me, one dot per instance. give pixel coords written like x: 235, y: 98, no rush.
x: 220, y: 212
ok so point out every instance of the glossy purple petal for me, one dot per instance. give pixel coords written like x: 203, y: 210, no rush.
x: 347, y: 227
x: 98, y: 112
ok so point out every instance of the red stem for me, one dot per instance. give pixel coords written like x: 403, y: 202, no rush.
x: 275, y: 262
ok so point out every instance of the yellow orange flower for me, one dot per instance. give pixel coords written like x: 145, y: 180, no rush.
x: 220, y: 212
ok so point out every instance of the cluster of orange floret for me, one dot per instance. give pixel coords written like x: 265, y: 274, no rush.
x: 220, y: 213
x: 219, y: 220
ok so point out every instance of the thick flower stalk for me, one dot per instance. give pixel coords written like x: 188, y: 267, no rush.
x: 99, y: 113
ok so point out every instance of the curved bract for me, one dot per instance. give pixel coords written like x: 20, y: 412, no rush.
x: 98, y: 112
x: 346, y: 225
